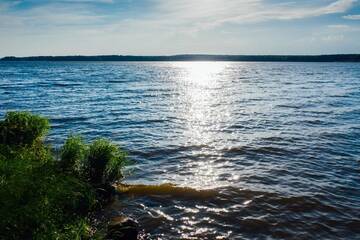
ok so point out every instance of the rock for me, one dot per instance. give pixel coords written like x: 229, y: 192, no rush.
x: 105, y: 193
x: 122, y: 228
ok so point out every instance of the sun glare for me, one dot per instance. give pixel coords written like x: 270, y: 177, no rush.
x: 201, y: 86
x: 202, y: 73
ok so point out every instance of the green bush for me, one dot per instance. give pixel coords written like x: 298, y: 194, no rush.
x: 22, y: 128
x: 73, y: 155
x: 105, y: 162
x: 36, y: 198
x: 41, y: 198
x: 100, y: 163
x: 78, y: 229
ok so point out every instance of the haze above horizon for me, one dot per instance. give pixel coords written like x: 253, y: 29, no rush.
x: 160, y: 27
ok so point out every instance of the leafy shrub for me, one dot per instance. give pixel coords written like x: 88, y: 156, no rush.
x: 100, y: 163
x: 73, y: 155
x: 77, y: 229
x: 36, y: 198
x: 40, y: 197
x: 22, y: 128
x: 105, y: 162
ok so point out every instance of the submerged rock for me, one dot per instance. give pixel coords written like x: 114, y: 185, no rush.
x: 105, y: 193
x: 122, y: 228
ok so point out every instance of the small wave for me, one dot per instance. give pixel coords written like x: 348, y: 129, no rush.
x: 173, y: 149
x: 68, y: 119
x: 290, y: 106
x: 66, y: 84
x: 258, y: 150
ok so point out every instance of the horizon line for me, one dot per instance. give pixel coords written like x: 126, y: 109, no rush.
x: 180, y: 54
x: 194, y: 57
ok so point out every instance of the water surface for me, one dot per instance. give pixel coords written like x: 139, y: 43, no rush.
x: 277, y: 144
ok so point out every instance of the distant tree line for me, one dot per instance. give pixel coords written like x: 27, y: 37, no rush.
x: 198, y: 57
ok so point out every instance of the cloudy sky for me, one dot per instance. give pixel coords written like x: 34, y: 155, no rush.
x: 163, y: 27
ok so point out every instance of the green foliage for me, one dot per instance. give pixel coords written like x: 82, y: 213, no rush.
x: 105, y: 162
x: 36, y: 198
x: 77, y: 229
x: 99, y: 163
x: 41, y: 198
x: 73, y: 155
x: 22, y: 128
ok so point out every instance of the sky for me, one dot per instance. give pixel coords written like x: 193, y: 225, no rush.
x: 168, y: 27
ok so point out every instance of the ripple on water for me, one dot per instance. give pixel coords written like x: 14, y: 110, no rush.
x: 256, y: 213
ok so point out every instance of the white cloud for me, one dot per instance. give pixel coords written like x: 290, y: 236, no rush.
x: 333, y: 38
x: 217, y: 12
x: 167, y: 26
x: 4, y: 6
x: 343, y: 28
x: 352, y: 17
x: 189, y: 15
x: 339, y: 6
x: 49, y: 17
x: 339, y: 26
x: 87, y: 1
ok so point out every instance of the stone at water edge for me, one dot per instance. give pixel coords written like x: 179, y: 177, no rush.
x: 122, y: 228
x: 105, y: 193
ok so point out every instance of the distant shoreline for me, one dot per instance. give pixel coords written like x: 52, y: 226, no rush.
x: 197, y: 57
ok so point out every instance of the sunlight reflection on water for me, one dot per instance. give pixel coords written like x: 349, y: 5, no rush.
x: 202, y: 96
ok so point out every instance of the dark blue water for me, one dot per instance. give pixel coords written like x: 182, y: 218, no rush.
x: 278, y: 143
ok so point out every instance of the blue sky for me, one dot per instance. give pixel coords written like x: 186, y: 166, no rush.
x: 164, y: 27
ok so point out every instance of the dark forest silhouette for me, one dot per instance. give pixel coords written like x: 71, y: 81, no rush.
x: 198, y: 57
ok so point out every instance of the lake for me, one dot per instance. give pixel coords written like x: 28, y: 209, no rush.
x: 275, y: 145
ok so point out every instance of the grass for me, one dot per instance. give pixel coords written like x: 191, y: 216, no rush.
x: 22, y: 128
x: 73, y: 155
x: 105, y: 162
x: 45, y: 198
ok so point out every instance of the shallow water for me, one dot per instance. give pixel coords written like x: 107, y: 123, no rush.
x: 277, y: 144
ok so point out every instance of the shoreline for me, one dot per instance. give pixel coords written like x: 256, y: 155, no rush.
x: 194, y: 58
